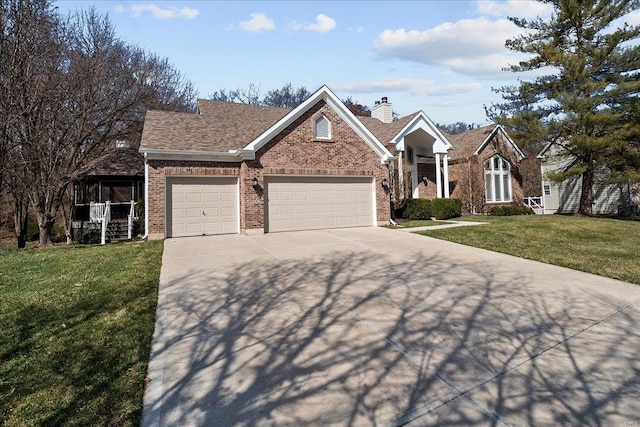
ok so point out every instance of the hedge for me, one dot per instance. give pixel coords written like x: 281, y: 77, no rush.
x: 511, y: 210
x: 413, y: 209
x: 446, y: 208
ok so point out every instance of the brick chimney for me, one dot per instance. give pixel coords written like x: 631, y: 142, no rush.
x: 382, y: 111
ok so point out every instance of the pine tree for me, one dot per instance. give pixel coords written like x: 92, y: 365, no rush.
x: 585, y: 102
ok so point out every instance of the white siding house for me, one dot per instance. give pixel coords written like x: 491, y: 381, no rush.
x: 564, y: 197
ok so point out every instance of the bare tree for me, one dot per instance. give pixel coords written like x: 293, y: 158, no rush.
x: 73, y: 88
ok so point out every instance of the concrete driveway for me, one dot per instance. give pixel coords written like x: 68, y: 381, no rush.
x: 372, y: 326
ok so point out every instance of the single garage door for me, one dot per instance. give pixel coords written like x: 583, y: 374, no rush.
x: 202, y: 206
x: 311, y: 203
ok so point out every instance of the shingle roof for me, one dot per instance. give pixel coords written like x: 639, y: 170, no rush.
x: 115, y: 162
x: 466, y: 143
x: 386, y: 131
x: 220, y: 126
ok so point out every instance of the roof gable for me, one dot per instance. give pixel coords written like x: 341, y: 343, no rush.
x: 472, y: 142
x: 324, y: 94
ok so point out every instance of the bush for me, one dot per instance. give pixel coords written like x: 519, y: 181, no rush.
x: 510, y: 210
x: 446, y: 208
x: 413, y: 209
x: 58, y: 234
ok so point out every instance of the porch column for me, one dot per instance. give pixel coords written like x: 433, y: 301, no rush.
x: 438, y: 179
x: 445, y: 166
x: 400, y: 176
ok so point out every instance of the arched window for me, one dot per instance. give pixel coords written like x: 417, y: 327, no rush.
x: 322, y: 128
x: 497, y: 180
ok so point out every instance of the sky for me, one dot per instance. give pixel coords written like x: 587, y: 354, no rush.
x: 441, y: 57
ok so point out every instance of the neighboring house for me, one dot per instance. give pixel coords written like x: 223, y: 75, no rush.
x: 485, y: 169
x: 564, y: 197
x: 116, y: 177
x: 238, y: 168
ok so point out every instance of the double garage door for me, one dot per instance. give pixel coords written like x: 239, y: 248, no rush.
x: 203, y: 206
x: 311, y: 203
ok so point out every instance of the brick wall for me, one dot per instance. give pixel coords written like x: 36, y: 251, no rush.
x: 295, y: 152
x: 468, y: 176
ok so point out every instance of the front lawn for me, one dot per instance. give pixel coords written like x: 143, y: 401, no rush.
x: 607, y: 247
x: 75, y: 330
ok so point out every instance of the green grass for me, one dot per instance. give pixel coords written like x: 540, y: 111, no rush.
x: 607, y: 247
x: 75, y: 330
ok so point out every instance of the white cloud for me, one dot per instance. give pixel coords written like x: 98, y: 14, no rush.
x: 357, y: 30
x: 469, y: 46
x: 170, y: 12
x: 294, y: 25
x: 323, y: 24
x: 519, y: 8
x: 257, y: 22
x: 413, y: 86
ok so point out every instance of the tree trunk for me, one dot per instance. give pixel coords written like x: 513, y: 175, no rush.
x: 586, y: 195
x: 21, y: 221
x: 45, y: 225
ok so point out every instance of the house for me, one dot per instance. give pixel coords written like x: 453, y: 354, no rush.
x: 116, y: 178
x: 486, y: 169
x: 237, y: 168
x: 564, y: 197
x: 250, y: 169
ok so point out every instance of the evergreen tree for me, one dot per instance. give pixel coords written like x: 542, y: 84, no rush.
x: 585, y: 102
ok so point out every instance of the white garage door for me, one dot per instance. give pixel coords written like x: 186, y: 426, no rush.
x: 310, y: 203
x: 202, y: 206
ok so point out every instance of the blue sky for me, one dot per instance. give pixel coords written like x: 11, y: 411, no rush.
x: 441, y: 57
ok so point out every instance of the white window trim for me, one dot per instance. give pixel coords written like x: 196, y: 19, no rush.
x: 491, y: 173
x: 315, y: 128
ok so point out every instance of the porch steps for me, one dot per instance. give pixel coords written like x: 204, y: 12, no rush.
x: 117, y: 231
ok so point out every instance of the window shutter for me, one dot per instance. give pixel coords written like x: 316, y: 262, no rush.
x: 323, y: 129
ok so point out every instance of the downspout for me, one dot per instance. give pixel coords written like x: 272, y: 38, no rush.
x: 473, y: 206
x: 146, y: 197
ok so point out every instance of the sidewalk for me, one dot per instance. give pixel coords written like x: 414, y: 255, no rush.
x: 451, y: 224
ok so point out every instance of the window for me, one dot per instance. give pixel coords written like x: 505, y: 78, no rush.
x: 409, y: 155
x: 322, y: 128
x: 497, y: 180
x: 547, y: 190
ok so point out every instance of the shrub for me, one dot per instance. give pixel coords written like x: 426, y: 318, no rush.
x: 446, y: 208
x: 58, y: 234
x: 413, y: 209
x: 510, y: 210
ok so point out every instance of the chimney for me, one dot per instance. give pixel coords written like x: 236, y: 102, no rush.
x: 382, y: 111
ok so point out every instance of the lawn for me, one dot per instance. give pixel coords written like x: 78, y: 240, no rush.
x: 607, y: 247
x: 75, y: 330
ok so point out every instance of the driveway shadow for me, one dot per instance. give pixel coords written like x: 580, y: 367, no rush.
x: 351, y: 339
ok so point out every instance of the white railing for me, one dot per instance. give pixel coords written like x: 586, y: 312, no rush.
x: 535, y: 203
x: 97, y: 212
x: 106, y: 217
x: 130, y: 218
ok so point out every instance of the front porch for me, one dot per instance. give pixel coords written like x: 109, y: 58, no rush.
x: 423, y: 162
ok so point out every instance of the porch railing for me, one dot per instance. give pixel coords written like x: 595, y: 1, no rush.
x: 535, y: 203
x: 105, y: 222
x: 130, y: 219
x: 97, y: 211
